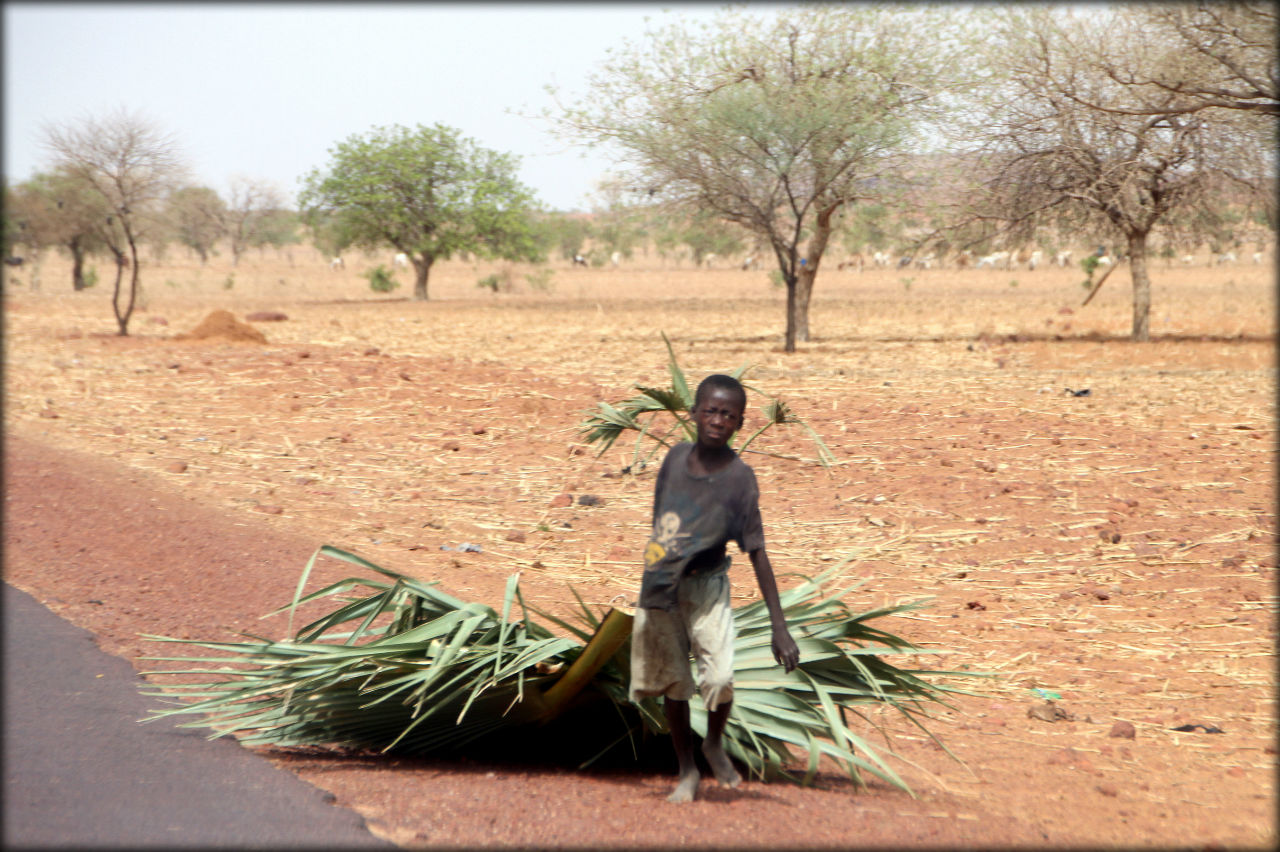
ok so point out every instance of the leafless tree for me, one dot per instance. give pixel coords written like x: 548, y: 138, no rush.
x: 1207, y: 55
x: 1214, y: 57
x: 1050, y: 155
x: 251, y: 204
x: 131, y: 165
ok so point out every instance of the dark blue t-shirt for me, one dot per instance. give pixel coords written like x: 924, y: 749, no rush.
x: 694, y: 517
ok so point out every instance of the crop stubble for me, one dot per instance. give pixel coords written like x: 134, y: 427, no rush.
x: 1115, y: 548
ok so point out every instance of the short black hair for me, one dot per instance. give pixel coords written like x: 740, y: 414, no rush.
x: 723, y: 382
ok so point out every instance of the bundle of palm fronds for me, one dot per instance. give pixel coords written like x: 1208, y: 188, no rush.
x: 661, y: 416
x: 425, y: 673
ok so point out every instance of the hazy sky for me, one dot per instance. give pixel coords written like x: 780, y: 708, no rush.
x: 264, y: 90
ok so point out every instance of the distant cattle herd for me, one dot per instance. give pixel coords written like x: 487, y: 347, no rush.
x: 1028, y: 258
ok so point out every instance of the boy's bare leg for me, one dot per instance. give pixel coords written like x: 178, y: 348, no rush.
x: 677, y: 713
x: 713, y: 747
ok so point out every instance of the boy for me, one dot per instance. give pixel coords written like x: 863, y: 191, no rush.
x: 705, y: 497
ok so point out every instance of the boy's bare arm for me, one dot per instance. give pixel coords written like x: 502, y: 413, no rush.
x: 785, y: 650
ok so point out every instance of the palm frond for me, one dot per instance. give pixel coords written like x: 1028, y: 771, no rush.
x: 442, y: 675
x: 608, y: 421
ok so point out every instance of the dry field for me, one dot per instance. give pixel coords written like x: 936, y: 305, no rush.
x: 1117, y: 549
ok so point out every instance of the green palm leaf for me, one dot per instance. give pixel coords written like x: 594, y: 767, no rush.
x: 442, y: 674
x: 608, y: 421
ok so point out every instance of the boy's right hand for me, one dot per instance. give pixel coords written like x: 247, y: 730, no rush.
x: 785, y: 650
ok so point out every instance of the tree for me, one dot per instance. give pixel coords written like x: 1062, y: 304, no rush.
x: 1218, y: 58
x: 707, y: 234
x: 1048, y: 154
x: 773, y: 124
x: 428, y: 192
x: 329, y: 232
x: 1220, y: 55
x: 197, y: 217
x: 568, y: 233
x: 250, y: 214
x: 56, y: 209
x: 131, y: 165
x: 277, y: 227
x: 617, y: 223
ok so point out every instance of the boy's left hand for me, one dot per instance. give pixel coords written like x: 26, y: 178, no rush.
x: 785, y: 650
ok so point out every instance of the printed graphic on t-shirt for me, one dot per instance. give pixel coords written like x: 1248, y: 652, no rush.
x: 666, y: 536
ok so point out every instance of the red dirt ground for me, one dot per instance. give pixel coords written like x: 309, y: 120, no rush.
x: 1115, y: 548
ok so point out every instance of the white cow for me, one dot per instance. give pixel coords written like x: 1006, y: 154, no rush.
x: 995, y: 260
x: 709, y: 259
x: 615, y: 259
x: 336, y: 263
x: 881, y: 259
x: 1063, y: 257
x: 1188, y: 259
x: 401, y: 259
x: 1257, y: 257
x: 749, y: 262
x: 579, y: 260
x: 1226, y: 257
x: 1035, y: 259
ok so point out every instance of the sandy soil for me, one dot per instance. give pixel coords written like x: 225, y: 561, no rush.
x: 1117, y: 548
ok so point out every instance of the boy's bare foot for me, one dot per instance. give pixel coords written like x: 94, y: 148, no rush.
x: 686, y: 787
x: 721, y: 765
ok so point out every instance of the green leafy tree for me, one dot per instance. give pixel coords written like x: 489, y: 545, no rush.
x: 56, y: 209
x: 329, y: 232
x: 428, y: 192
x: 277, y: 228
x: 774, y: 123
x: 567, y: 233
x: 197, y: 219
x: 131, y: 166
x: 707, y: 234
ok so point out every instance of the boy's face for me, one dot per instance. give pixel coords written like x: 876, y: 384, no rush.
x: 717, y: 417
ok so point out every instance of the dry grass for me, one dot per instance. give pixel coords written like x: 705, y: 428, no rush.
x: 1119, y: 547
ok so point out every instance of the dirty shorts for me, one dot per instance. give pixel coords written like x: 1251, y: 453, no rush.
x: 661, y: 642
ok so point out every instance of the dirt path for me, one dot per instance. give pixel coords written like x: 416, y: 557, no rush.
x: 109, y: 550
x: 1117, y: 549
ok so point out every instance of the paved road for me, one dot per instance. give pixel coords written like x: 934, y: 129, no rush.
x: 80, y: 771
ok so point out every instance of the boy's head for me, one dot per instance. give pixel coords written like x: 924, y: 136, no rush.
x: 719, y: 381
x: 718, y: 406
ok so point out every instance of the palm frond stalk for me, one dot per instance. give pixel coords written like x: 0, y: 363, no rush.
x: 409, y: 669
x: 644, y: 414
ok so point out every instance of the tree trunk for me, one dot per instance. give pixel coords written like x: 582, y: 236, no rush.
x: 1141, y: 287
x: 121, y: 263
x: 790, y: 344
x: 122, y: 318
x: 77, y: 264
x: 421, y: 269
x: 808, y: 271
x: 804, y: 289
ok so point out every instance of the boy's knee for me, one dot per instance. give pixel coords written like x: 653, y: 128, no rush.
x: 715, y: 694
